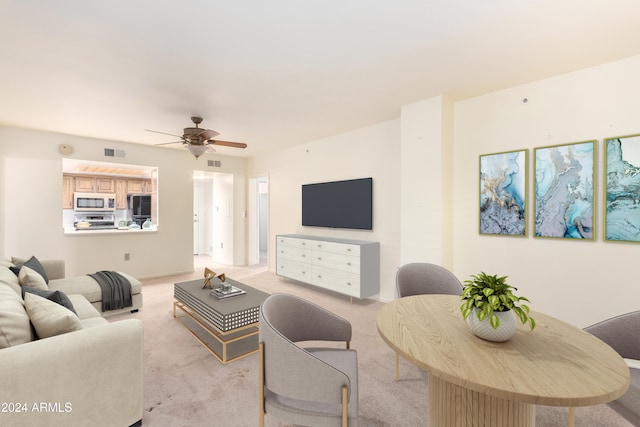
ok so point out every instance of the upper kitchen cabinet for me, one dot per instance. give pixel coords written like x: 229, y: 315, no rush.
x: 121, y: 194
x: 94, y: 184
x: 139, y: 186
x: 68, y: 187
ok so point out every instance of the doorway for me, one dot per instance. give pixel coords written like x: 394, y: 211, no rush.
x: 212, y: 216
x: 258, y: 220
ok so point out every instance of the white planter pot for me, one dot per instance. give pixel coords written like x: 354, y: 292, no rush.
x: 484, y: 330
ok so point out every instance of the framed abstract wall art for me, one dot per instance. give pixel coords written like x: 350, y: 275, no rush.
x: 503, y: 190
x: 622, y: 188
x: 564, y: 191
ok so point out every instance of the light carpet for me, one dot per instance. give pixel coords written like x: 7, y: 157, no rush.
x: 184, y: 385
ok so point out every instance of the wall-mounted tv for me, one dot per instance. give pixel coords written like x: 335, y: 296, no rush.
x: 338, y: 204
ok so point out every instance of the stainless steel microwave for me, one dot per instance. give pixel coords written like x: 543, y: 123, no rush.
x: 94, y: 202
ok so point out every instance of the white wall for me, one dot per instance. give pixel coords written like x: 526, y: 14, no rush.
x: 578, y: 281
x: 374, y: 152
x: 426, y: 182
x: 31, y: 215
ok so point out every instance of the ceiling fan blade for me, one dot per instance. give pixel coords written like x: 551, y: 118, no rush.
x: 164, y: 133
x: 174, y: 142
x: 208, y: 134
x: 228, y: 143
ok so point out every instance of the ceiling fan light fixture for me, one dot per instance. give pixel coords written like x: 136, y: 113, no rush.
x: 197, y: 150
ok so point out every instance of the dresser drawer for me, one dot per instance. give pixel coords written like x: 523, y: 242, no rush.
x: 336, y: 261
x: 339, y: 281
x: 294, y: 270
x: 339, y: 248
x: 293, y: 242
x: 294, y: 253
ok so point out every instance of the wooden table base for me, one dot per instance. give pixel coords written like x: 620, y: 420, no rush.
x: 454, y: 406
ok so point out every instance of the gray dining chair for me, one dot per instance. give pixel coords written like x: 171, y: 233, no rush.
x: 421, y: 278
x: 312, y: 386
x: 622, y: 333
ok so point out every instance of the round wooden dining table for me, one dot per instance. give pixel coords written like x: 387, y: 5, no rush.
x: 473, y: 382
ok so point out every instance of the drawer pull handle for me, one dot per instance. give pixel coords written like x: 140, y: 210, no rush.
x: 304, y: 256
x: 348, y: 249
x: 349, y: 263
x: 319, y: 258
x: 348, y: 283
x: 319, y: 276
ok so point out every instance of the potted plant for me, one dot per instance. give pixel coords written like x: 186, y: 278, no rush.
x: 489, y: 304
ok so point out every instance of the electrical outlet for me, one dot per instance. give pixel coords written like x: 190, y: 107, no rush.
x: 221, y: 245
x: 127, y: 256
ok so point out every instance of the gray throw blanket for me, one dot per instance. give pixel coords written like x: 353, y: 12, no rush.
x: 116, y: 290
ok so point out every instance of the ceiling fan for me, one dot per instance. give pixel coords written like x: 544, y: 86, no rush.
x: 199, y: 141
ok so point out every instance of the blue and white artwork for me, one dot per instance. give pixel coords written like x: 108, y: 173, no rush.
x: 564, y: 190
x: 622, y: 189
x: 503, y: 189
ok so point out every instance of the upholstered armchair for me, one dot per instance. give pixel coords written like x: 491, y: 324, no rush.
x: 421, y: 278
x: 622, y: 334
x: 312, y: 386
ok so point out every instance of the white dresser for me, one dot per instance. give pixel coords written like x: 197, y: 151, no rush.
x: 350, y: 267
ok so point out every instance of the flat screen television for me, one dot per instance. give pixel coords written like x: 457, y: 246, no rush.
x: 338, y: 204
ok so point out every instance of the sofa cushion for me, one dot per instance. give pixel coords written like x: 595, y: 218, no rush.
x: 93, y: 321
x: 32, y: 263
x: 15, y: 327
x: 30, y: 277
x: 58, y: 297
x: 88, y: 287
x: 5, y: 261
x: 7, y: 277
x: 48, y: 318
x: 83, y: 308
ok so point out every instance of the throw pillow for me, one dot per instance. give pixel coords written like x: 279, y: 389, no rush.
x: 35, y: 265
x: 15, y: 328
x: 48, y: 318
x: 58, y: 297
x: 31, y: 278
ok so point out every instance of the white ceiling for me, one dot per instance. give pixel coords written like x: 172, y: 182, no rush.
x: 282, y: 72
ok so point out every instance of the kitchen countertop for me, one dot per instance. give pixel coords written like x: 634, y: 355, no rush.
x: 73, y: 232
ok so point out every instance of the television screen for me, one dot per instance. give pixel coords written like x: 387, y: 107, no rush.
x: 339, y: 204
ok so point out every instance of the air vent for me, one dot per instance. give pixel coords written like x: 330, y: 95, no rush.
x: 214, y: 163
x: 110, y: 152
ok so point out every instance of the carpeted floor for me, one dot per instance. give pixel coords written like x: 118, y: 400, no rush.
x: 184, y: 385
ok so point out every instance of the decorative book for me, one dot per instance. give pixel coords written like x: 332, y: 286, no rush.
x: 221, y: 292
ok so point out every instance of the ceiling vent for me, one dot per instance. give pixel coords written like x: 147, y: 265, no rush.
x: 110, y: 152
x: 214, y: 163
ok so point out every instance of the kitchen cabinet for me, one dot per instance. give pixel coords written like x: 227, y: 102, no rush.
x: 105, y: 185
x: 121, y: 194
x: 138, y: 186
x: 68, y: 186
x: 93, y: 184
x: 350, y: 267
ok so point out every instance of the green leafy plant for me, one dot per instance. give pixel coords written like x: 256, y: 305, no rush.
x: 492, y: 293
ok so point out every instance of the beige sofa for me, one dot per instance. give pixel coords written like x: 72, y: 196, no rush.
x: 92, y: 375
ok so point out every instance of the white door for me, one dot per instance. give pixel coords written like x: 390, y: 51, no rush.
x: 196, y: 220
